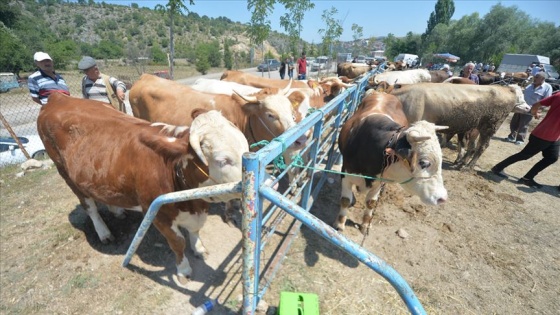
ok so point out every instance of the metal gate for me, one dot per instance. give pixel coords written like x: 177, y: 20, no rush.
x: 259, y: 221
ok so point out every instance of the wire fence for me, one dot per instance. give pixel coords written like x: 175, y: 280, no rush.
x: 18, y: 112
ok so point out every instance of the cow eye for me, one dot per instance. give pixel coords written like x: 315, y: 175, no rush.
x: 271, y: 116
x: 424, y: 164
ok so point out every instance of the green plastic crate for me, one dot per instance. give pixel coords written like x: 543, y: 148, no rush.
x: 295, y: 303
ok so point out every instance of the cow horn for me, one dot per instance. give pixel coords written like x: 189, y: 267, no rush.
x: 194, y: 141
x: 418, y: 138
x: 286, y: 90
x: 441, y: 127
x: 249, y: 99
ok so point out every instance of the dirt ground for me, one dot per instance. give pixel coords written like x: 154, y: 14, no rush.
x: 491, y: 249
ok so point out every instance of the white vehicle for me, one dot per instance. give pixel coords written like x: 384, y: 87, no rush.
x: 408, y: 58
x: 320, y: 63
x: 10, y: 153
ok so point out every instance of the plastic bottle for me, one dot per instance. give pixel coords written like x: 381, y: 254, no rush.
x: 204, y: 308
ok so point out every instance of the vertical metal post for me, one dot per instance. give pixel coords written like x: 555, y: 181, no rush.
x: 251, y: 230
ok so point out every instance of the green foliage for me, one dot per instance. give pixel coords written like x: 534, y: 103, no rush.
x: 269, y: 55
x: 357, y: 34
x: 79, y: 20
x: 332, y: 31
x: 12, y: 51
x: 62, y: 52
x: 214, y: 55
x: 291, y: 21
x: 134, y: 5
x: 441, y: 15
x: 260, y: 24
x: 202, y: 52
x: 158, y: 56
x: 9, y: 14
x: 228, y: 56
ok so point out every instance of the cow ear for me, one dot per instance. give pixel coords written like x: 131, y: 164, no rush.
x: 197, y: 111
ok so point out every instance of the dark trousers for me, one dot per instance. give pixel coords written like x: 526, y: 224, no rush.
x: 549, y: 149
x: 301, y: 76
x: 519, y: 125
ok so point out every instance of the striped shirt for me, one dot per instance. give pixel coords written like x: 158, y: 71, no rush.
x: 97, y: 90
x: 41, y: 85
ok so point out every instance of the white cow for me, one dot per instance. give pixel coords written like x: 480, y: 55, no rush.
x: 403, y: 77
x: 223, y: 87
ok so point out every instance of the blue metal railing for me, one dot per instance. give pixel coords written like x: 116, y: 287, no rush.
x: 322, y: 149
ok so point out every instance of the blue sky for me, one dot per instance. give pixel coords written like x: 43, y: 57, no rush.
x: 378, y: 18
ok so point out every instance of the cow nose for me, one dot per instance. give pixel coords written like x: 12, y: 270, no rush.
x: 441, y: 200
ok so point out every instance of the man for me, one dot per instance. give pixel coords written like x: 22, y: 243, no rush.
x: 446, y: 69
x: 545, y: 138
x: 536, y: 69
x: 532, y: 94
x: 468, y: 73
x: 100, y: 87
x: 45, y: 81
x: 302, y: 67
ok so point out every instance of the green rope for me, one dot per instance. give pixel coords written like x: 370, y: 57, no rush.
x: 298, y: 162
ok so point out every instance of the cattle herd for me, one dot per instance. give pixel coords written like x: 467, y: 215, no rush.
x: 184, y: 137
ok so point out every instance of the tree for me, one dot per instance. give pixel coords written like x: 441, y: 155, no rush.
x: 291, y: 20
x: 332, y: 32
x: 357, y: 34
x: 442, y: 14
x: 228, y: 56
x: 202, y: 65
x: 260, y: 24
x: 12, y: 51
x: 172, y: 8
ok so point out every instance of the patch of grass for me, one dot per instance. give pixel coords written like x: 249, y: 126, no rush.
x: 81, y: 281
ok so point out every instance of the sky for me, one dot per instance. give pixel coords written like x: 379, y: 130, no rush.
x: 378, y: 18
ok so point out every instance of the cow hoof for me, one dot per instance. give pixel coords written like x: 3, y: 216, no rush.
x: 364, y: 229
x: 339, y: 228
x: 108, y: 239
x: 181, y: 280
x: 202, y: 255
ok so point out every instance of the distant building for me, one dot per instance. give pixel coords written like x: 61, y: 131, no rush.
x: 378, y: 53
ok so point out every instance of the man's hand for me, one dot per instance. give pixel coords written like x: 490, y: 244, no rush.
x: 120, y: 95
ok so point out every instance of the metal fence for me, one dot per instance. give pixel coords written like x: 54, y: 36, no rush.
x: 18, y: 113
x: 264, y: 209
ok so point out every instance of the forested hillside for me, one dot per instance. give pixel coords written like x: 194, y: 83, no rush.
x: 103, y: 31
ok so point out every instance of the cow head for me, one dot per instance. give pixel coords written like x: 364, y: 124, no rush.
x: 220, y: 146
x: 269, y: 114
x: 419, y: 167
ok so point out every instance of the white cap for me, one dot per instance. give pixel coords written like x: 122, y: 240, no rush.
x: 40, y: 56
x: 446, y: 66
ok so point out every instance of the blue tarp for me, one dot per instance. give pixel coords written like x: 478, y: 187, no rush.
x: 447, y: 56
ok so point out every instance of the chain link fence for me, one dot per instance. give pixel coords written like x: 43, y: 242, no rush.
x: 18, y: 113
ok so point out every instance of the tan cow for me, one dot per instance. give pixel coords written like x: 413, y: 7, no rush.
x: 107, y: 156
x: 352, y: 70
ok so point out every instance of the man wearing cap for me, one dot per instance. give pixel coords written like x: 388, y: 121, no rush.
x: 45, y: 81
x: 446, y: 69
x: 101, y: 87
x: 533, y: 94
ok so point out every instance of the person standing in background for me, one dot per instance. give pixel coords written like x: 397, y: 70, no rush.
x: 101, y: 87
x: 283, y: 69
x: 468, y: 73
x: 45, y: 81
x: 302, y: 67
x: 532, y: 94
x: 291, y: 67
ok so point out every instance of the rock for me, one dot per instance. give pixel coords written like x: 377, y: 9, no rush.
x: 262, y: 307
x: 402, y: 233
x: 20, y: 174
x: 31, y: 163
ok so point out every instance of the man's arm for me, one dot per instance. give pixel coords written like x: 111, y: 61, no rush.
x: 36, y: 100
x: 535, y: 110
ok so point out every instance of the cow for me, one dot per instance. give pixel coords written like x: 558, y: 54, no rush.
x: 378, y: 145
x: 352, y: 70
x: 462, y: 107
x: 223, y: 87
x: 261, y: 116
x: 458, y: 80
x: 262, y: 82
x: 107, y: 156
x: 488, y: 78
x: 438, y: 76
x: 403, y: 77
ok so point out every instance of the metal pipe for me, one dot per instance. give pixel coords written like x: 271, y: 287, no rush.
x: 330, y: 234
x: 173, y: 197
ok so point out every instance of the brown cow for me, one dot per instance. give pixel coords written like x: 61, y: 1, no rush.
x: 377, y: 142
x: 352, y: 70
x: 261, y: 116
x: 438, y: 76
x: 107, y: 156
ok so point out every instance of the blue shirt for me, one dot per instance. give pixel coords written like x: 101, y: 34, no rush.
x: 41, y: 85
x: 533, y: 95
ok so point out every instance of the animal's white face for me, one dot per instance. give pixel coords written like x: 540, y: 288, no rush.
x: 520, y: 99
x: 279, y: 117
x: 222, y: 145
x: 425, y: 166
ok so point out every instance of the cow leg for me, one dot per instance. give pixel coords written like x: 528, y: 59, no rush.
x: 100, y: 227
x: 461, y: 137
x: 193, y: 223
x: 117, y: 211
x: 177, y: 243
x: 229, y: 216
x: 371, y: 201
x: 346, y: 197
x: 483, y: 143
